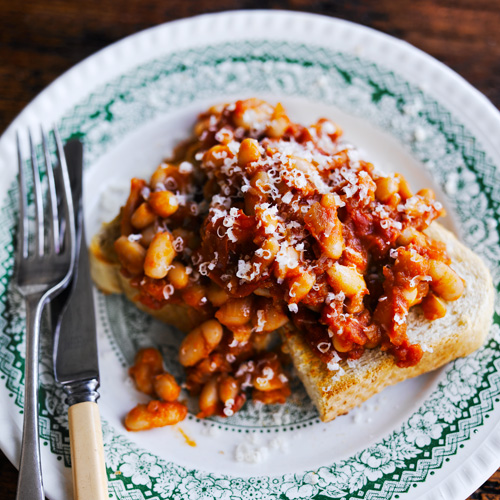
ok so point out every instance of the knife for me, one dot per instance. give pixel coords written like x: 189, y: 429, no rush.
x: 73, y: 152
x: 76, y: 365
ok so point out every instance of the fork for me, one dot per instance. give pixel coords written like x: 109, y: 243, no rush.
x: 40, y: 274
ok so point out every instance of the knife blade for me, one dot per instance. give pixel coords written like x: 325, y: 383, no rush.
x: 76, y: 365
x: 75, y: 340
x: 73, y: 151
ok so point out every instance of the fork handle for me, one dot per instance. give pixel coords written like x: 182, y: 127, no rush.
x: 87, y: 455
x: 29, y: 483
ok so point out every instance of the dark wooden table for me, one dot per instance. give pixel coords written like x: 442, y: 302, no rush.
x: 39, y: 40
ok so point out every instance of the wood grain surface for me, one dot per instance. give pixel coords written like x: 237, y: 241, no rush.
x: 40, y: 39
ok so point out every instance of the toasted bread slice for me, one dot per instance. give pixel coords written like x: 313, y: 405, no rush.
x: 105, y: 271
x: 461, y: 331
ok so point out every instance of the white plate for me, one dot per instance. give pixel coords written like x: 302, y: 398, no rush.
x: 436, y: 436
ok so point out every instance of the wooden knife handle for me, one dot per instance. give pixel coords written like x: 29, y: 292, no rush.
x: 87, y: 453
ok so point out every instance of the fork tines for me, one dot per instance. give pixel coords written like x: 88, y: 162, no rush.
x: 54, y: 180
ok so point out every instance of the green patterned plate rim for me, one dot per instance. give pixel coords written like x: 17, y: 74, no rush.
x: 448, y: 443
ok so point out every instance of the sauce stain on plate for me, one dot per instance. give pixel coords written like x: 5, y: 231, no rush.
x: 189, y: 441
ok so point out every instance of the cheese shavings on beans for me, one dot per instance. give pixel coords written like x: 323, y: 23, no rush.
x: 281, y: 223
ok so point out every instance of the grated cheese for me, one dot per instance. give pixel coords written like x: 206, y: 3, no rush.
x: 400, y: 319
x: 287, y: 198
x: 168, y: 291
x: 260, y: 321
x: 185, y: 167
x: 324, y: 347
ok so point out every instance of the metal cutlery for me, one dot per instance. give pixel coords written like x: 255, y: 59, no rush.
x: 41, y: 272
x: 73, y: 152
x: 76, y: 366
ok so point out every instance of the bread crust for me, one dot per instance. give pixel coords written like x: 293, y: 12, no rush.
x: 461, y: 331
